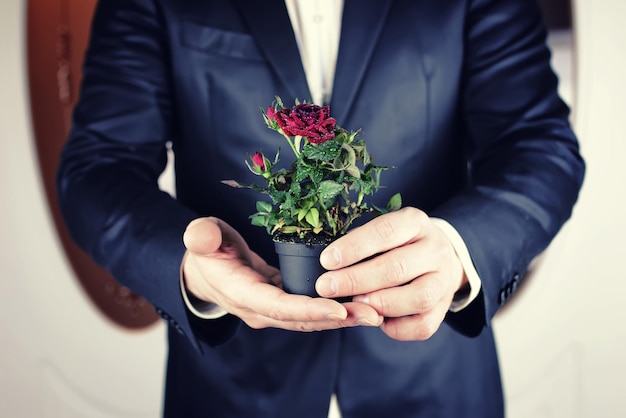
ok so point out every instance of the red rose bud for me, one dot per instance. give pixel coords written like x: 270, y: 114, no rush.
x: 271, y: 113
x: 308, y: 120
x: 259, y: 161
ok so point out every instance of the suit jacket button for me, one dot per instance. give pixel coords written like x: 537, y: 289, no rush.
x: 516, y: 281
x: 163, y: 314
x: 502, y: 297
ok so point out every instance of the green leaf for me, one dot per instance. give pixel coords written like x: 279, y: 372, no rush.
x: 259, y: 220
x: 346, y: 161
x: 264, y: 207
x: 302, y: 213
x: 289, y: 229
x: 341, y: 136
x: 351, y: 155
x: 313, y: 217
x: 395, y: 202
x: 307, y: 171
x: 316, y: 175
x: 328, y: 189
x: 295, y: 189
x: 326, y: 151
x: 354, y: 171
x: 278, y: 196
x: 289, y: 203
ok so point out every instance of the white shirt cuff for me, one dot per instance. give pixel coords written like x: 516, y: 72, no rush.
x: 466, y: 261
x: 200, y: 308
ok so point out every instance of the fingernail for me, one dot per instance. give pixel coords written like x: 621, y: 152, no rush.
x: 361, y: 299
x: 366, y: 322
x: 326, y: 286
x: 330, y: 258
x: 336, y: 317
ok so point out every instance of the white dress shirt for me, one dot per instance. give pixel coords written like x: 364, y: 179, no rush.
x: 317, y: 26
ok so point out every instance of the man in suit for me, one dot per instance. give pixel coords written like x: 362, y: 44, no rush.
x: 458, y: 96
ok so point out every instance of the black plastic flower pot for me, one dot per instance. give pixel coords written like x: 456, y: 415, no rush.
x: 299, y: 266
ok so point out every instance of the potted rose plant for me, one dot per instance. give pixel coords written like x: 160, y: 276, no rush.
x: 319, y: 196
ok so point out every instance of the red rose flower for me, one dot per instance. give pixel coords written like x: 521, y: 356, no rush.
x: 308, y: 120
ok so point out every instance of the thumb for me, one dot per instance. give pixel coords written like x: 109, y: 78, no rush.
x: 203, y: 236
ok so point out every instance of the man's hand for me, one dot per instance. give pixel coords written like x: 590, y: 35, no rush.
x: 410, y: 279
x: 220, y: 267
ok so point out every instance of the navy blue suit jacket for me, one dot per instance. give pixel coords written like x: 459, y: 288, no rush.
x: 458, y: 95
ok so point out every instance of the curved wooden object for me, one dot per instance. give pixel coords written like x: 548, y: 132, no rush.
x: 58, y: 32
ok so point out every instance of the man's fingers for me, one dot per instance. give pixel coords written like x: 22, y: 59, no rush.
x: 420, y: 296
x: 203, y: 236
x: 274, y: 303
x: 415, y: 327
x: 315, y: 318
x: 271, y: 273
x: 378, y: 235
x: 388, y: 270
x: 252, y: 289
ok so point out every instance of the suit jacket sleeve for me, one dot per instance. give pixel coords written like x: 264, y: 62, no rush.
x: 525, y: 167
x: 107, y: 179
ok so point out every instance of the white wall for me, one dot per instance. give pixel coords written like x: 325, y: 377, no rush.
x: 59, y: 357
x: 561, y: 341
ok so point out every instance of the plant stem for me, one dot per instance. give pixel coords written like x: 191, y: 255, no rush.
x: 292, y: 144
x: 330, y: 220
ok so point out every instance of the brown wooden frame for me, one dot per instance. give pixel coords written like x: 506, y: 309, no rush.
x: 57, y: 36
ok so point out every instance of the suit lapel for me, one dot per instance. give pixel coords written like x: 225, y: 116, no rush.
x: 362, y: 24
x: 269, y: 24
